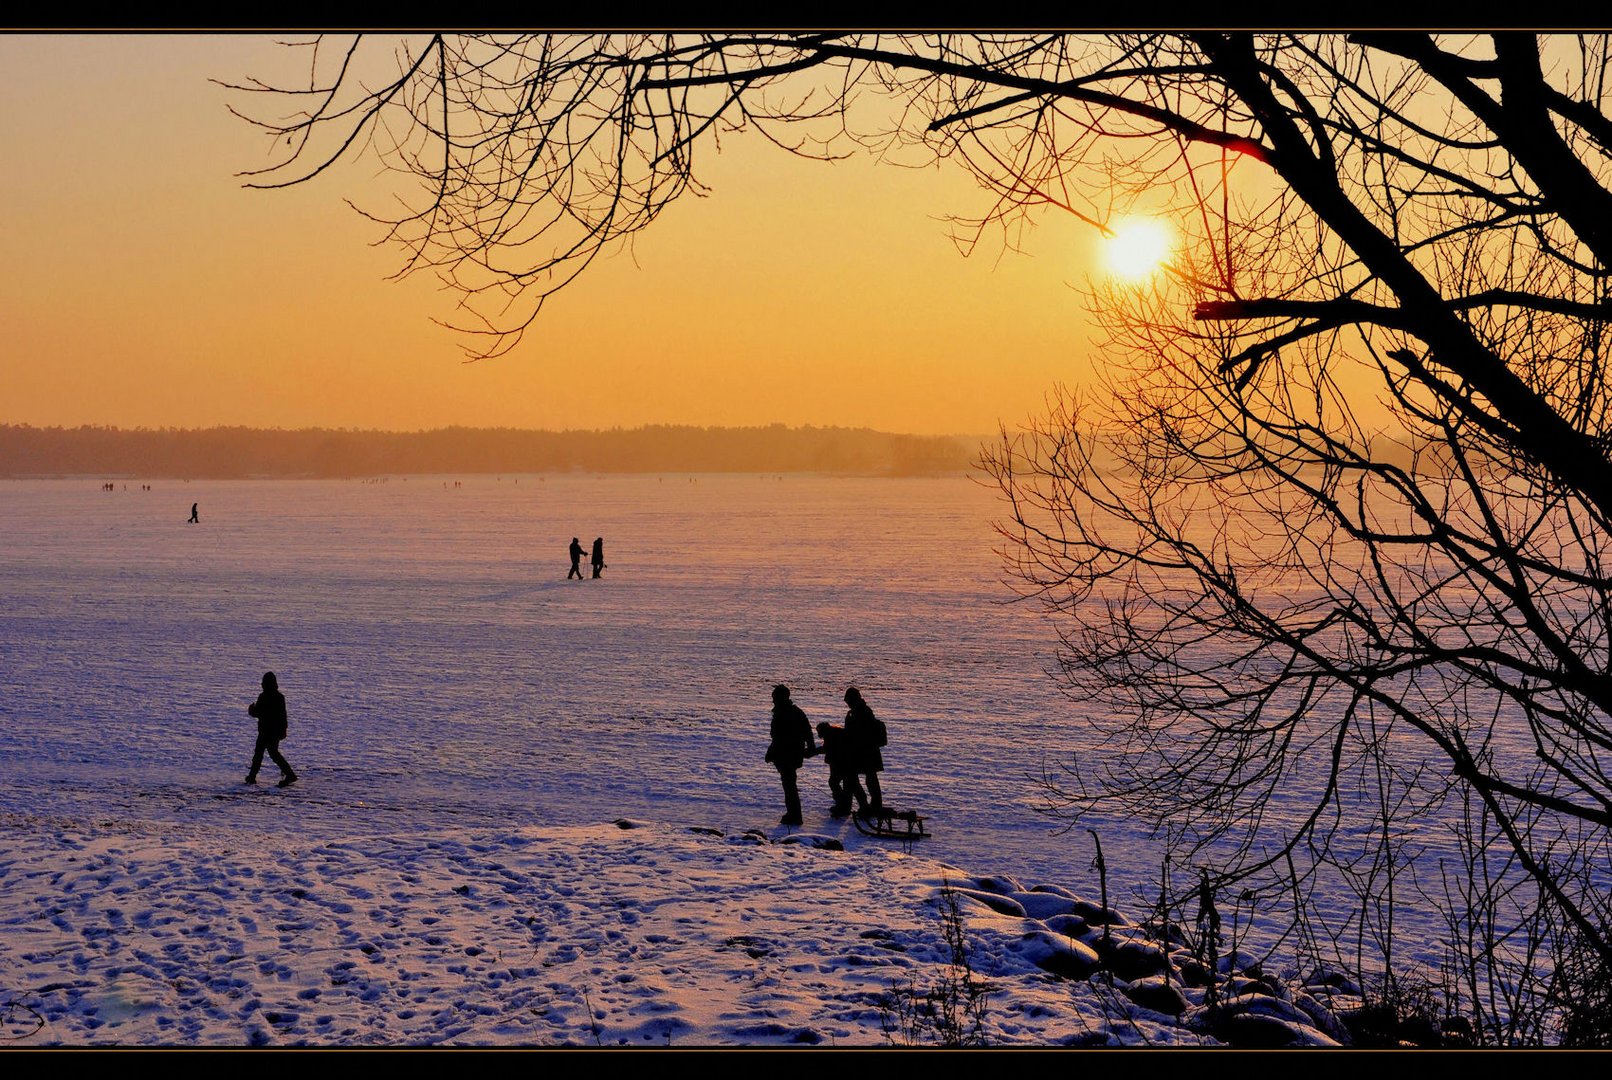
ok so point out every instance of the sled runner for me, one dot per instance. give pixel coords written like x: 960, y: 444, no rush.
x: 904, y: 825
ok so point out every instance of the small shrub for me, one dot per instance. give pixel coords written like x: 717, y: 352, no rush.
x: 952, y: 1012
x: 1398, y: 1011
x: 1585, y: 990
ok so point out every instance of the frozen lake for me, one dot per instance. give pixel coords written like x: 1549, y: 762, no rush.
x: 447, y: 684
x: 440, y: 671
x: 442, y: 674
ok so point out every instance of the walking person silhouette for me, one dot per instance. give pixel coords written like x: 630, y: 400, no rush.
x: 598, y: 556
x: 576, y: 560
x: 269, y: 708
x: 195, y: 518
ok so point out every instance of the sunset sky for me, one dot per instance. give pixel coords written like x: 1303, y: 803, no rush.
x: 145, y: 287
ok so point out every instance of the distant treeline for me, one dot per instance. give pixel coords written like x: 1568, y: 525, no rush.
x: 226, y: 452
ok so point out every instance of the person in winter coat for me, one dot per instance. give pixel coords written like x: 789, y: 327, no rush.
x: 597, y: 560
x: 576, y: 560
x: 269, y: 708
x: 791, y: 745
x: 842, y: 781
x: 866, y: 734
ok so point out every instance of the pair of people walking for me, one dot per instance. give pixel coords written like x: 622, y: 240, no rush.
x: 851, y: 752
x: 596, y: 561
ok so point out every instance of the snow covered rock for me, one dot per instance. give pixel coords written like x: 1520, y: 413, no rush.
x: 1192, y: 972
x: 1255, y: 1031
x: 1321, y: 1017
x: 814, y: 840
x: 1239, y: 961
x: 1131, y: 958
x: 1259, y: 1021
x: 998, y: 883
x: 1068, y: 925
x: 1324, y: 978
x: 1098, y: 915
x: 1156, y: 994
x: 1002, y: 905
x: 1043, y: 905
x: 1062, y: 956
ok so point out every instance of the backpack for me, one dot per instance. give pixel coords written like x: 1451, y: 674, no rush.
x: 881, y: 737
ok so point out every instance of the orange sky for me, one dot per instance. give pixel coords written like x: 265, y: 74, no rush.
x: 143, y: 286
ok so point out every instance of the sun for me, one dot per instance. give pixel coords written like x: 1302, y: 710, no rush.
x: 1138, y: 247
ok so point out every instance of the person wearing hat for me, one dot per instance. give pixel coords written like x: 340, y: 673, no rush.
x: 269, y: 708
x: 791, y: 745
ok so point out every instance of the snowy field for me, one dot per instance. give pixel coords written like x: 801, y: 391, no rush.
x: 440, y: 670
x: 467, y: 723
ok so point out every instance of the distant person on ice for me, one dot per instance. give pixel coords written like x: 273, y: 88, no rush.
x: 269, y: 708
x: 866, y: 734
x: 195, y: 518
x: 576, y: 560
x: 598, y: 555
x: 791, y: 745
x: 842, y: 781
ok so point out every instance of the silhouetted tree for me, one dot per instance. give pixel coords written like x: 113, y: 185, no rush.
x: 1328, y: 545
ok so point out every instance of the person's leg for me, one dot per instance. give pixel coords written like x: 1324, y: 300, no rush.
x: 836, y: 788
x: 257, y: 759
x: 285, y: 766
x: 791, y: 798
x: 875, y: 796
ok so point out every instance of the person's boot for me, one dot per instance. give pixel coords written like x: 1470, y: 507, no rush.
x: 287, y: 780
x: 251, y: 778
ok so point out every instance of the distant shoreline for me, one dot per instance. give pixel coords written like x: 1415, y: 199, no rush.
x: 238, y: 453
x: 960, y: 474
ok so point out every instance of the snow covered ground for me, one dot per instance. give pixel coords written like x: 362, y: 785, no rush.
x: 583, y: 935
x: 468, y: 724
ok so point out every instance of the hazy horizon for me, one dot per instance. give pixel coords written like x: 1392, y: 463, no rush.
x: 236, y: 451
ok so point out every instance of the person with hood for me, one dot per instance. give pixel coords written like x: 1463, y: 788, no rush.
x: 576, y: 560
x: 791, y: 745
x: 598, y: 556
x: 269, y: 708
x: 866, y: 734
x: 842, y: 781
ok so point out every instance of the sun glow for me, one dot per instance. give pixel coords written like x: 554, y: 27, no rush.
x: 1137, y: 248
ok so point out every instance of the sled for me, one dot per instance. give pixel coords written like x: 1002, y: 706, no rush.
x: 887, y: 824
